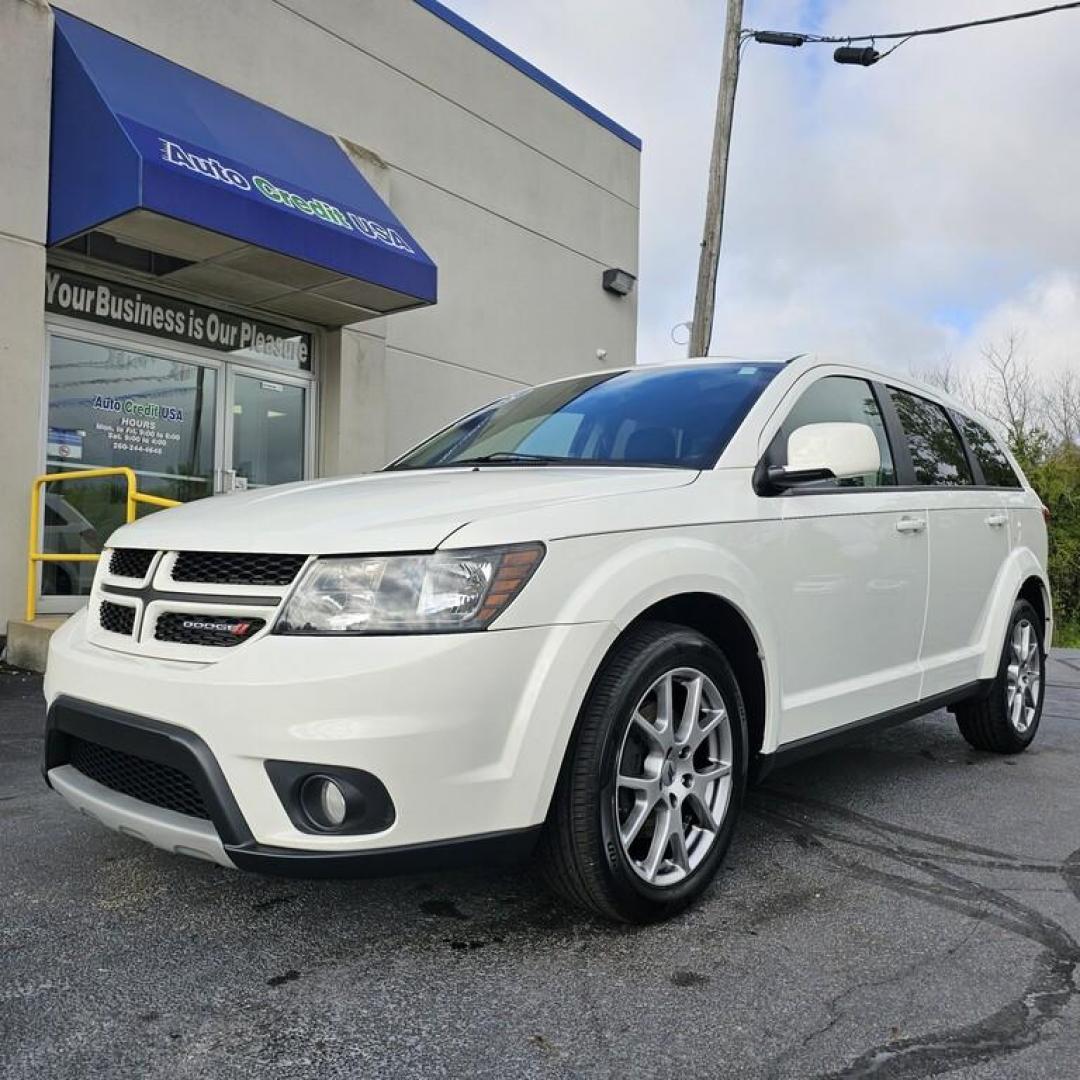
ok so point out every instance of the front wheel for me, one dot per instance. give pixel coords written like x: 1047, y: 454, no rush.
x: 653, y: 781
x: 1004, y: 720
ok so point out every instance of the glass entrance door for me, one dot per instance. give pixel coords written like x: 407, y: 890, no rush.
x: 111, y: 405
x: 190, y: 426
x: 267, y: 430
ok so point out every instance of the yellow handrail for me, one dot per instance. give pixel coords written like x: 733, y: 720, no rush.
x: 134, y: 497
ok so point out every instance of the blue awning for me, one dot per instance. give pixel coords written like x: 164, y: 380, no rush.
x: 250, y: 203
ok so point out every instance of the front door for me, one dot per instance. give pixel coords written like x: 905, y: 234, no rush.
x: 852, y: 583
x: 266, y: 430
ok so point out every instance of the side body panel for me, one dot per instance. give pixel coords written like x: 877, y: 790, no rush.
x: 969, y: 546
x: 852, y: 589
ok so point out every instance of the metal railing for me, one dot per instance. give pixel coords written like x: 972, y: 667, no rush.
x: 35, y: 556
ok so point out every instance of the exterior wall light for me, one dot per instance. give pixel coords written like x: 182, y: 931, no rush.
x: 619, y: 282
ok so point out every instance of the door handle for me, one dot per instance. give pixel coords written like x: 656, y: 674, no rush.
x: 911, y: 525
x: 995, y: 521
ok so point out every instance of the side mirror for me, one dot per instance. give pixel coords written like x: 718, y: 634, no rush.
x: 819, y: 452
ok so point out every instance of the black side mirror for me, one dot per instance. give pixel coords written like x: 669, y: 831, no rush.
x: 783, y: 478
x: 776, y: 479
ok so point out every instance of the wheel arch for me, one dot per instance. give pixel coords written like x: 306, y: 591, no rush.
x: 735, y: 632
x: 1022, y: 576
x: 724, y: 624
x: 689, y: 580
x: 1035, y: 592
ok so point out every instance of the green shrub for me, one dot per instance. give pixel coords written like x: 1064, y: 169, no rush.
x: 1055, y: 474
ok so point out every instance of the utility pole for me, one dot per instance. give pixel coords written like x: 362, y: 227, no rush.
x: 705, y: 297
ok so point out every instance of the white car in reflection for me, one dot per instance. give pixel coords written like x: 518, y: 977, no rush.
x: 578, y: 621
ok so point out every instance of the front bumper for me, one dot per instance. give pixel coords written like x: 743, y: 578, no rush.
x: 467, y: 733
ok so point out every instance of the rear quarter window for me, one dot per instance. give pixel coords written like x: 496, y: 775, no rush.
x: 996, y: 470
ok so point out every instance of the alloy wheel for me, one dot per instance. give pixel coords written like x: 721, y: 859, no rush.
x: 1023, y: 676
x: 674, y: 776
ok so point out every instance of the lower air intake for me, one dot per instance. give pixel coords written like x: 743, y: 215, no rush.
x: 147, y: 781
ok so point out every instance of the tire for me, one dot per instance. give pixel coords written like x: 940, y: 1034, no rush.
x: 995, y: 720
x: 632, y: 780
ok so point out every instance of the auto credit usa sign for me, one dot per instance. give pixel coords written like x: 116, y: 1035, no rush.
x: 236, y: 176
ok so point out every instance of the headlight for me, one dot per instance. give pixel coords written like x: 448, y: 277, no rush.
x: 408, y: 594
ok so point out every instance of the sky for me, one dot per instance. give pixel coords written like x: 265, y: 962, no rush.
x: 895, y: 215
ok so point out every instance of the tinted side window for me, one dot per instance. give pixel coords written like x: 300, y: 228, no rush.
x: 937, y: 454
x: 997, y: 471
x: 839, y: 399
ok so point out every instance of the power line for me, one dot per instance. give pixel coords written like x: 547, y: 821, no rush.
x: 773, y: 37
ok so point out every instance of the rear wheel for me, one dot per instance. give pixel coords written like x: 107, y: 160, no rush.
x: 653, y: 781
x: 1004, y: 719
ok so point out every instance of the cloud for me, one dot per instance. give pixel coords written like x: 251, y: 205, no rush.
x: 1046, y: 314
x: 892, y: 214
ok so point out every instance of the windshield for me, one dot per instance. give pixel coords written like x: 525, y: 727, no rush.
x: 667, y: 417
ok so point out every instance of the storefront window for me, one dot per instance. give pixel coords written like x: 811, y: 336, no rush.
x: 113, y: 406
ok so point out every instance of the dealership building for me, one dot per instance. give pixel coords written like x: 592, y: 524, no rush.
x: 253, y: 242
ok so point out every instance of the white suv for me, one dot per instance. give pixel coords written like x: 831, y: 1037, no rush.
x: 579, y: 619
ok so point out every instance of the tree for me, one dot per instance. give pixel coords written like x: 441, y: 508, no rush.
x: 943, y: 375
x: 1061, y: 408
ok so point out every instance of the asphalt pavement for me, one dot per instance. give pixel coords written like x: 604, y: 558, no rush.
x: 905, y: 907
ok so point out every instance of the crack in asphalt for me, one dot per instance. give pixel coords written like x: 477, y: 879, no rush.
x: 835, y: 1013
x: 1016, y: 1025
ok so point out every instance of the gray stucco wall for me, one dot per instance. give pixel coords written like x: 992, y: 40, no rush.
x: 521, y: 200
x: 26, y: 44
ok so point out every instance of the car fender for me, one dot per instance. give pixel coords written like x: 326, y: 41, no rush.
x: 627, y: 576
x: 1017, y: 568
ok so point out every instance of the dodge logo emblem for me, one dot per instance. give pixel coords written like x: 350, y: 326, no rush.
x: 237, y: 628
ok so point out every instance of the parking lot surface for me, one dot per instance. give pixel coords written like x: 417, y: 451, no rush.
x: 904, y: 907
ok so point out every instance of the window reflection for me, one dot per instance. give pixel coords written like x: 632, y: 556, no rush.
x: 997, y: 472
x: 841, y: 399
x: 937, y: 454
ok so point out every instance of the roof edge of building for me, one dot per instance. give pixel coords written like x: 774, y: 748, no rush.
x: 486, y: 41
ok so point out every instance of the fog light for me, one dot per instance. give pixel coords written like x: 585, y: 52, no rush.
x: 323, y: 798
x: 324, y: 802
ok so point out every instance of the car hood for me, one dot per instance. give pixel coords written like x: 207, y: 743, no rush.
x: 381, y: 512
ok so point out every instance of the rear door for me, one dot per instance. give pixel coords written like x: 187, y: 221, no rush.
x: 969, y: 541
x: 850, y: 590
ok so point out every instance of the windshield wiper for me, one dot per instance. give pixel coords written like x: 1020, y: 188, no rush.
x: 510, y: 457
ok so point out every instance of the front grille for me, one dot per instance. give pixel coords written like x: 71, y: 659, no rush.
x: 222, y: 631
x: 236, y: 568
x: 117, y: 618
x: 130, y: 562
x: 147, y: 781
